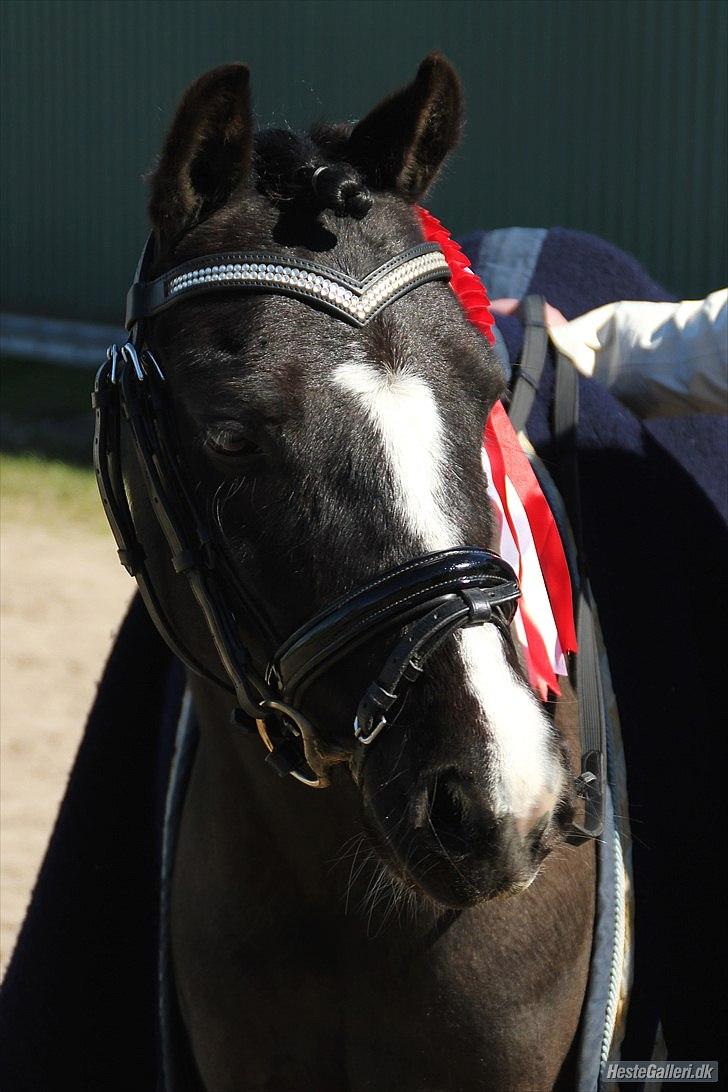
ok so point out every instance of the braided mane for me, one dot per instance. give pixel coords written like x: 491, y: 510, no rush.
x: 308, y: 170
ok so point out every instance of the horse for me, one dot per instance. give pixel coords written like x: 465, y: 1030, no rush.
x: 423, y: 924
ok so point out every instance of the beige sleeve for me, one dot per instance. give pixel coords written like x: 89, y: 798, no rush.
x: 660, y: 359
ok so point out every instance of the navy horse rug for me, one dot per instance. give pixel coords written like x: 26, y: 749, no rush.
x: 87, y: 1002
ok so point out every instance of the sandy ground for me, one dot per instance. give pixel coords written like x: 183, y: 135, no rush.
x: 63, y: 597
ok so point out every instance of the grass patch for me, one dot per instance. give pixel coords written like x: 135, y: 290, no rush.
x: 35, y: 489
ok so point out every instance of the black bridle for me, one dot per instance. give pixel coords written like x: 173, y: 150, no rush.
x: 410, y: 610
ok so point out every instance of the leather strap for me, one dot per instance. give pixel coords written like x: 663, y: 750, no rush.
x: 189, y: 551
x: 591, y: 783
x: 565, y: 420
x: 385, y: 697
x: 527, y: 373
x: 107, y: 466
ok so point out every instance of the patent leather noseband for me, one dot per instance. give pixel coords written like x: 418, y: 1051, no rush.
x: 413, y: 608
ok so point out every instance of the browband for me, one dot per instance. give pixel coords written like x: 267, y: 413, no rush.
x: 344, y: 296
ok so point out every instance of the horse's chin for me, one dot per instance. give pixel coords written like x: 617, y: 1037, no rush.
x: 464, y: 894
x: 443, y: 884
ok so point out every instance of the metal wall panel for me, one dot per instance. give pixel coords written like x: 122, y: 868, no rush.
x: 604, y: 115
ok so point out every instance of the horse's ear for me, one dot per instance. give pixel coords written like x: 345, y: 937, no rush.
x: 402, y: 143
x: 207, y: 152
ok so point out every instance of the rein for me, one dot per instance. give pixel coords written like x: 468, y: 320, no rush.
x: 410, y: 611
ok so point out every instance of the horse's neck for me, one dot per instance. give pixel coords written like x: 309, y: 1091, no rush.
x: 262, y: 940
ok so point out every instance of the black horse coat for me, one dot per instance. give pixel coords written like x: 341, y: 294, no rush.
x: 80, y: 998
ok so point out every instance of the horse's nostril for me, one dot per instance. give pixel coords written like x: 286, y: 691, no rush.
x: 448, y: 809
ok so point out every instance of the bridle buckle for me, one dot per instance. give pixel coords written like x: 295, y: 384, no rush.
x: 279, y: 756
x: 369, y: 737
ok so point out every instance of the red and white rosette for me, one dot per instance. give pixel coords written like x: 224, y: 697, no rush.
x: 529, y: 538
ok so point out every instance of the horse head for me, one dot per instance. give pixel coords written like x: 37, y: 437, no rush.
x: 324, y: 452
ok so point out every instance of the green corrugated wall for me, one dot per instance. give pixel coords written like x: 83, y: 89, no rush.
x: 604, y: 115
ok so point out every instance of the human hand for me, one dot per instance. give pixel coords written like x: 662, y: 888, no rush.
x: 507, y: 306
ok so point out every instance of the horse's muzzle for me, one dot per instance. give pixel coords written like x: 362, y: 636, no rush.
x: 444, y: 838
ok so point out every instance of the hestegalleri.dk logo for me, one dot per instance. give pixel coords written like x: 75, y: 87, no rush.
x: 698, y: 1072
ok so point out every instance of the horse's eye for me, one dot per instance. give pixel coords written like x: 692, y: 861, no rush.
x: 233, y: 444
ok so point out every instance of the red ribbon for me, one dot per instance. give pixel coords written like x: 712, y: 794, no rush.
x: 540, y: 670
x: 507, y: 459
x: 546, y: 537
x: 466, y: 285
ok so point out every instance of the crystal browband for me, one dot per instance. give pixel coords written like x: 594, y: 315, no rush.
x: 348, y: 298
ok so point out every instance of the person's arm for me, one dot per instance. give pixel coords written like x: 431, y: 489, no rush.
x: 660, y: 359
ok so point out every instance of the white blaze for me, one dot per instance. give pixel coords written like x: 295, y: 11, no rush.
x: 527, y: 779
x: 402, y: 409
